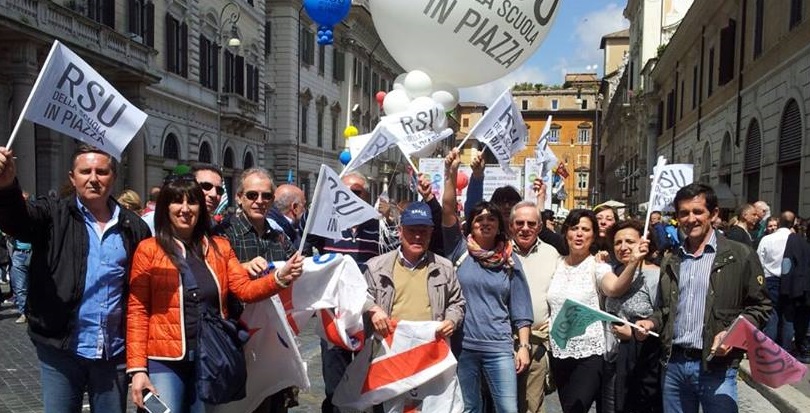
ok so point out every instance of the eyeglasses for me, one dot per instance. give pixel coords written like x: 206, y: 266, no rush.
x: 178, y: 178
x: 207, y: 186
x: 530, y: 224
x: 254, y: 195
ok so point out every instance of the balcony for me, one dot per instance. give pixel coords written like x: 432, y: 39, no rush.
x: 238, y: 113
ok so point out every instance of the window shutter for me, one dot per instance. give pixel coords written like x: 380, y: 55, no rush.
x: 204, y: 61
x: 753, y: 148
x: 240, y: 75
x: 108, y: 18
x: 790, y: 134
x: 132, y: 14
x: 149, y: 29
x: 184, y: 50
x: 171, y: 52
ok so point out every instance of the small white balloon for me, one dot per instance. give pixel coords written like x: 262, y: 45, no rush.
x: 399, y: 82
x: 396, y: 101
x: 445, y: 98
x: 417, y: 83
x: 434, y: 111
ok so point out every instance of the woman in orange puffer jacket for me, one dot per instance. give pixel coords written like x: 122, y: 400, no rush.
x: 161, y: 317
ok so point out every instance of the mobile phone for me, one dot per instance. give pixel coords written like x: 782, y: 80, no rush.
x: 153, y: 404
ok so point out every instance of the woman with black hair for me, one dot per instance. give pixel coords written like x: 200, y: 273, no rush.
x: 577, y: 367
x: 494, y: 285
x: 162, y: 315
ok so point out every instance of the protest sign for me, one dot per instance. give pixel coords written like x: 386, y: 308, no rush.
x: 671, y: 178
x: 502, y: 129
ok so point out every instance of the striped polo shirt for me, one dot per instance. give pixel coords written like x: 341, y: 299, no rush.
x: 693, y: 284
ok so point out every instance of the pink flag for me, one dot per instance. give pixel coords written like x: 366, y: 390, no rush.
x: 770, y: 364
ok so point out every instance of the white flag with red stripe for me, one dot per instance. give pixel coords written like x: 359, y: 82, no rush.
x: 333, y: 288
x: 410, y: 371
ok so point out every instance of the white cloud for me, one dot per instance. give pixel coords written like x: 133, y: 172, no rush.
x: 588, y: 34
x: 488, y: 92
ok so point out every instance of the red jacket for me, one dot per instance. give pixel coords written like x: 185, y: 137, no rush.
x: 155, y: 311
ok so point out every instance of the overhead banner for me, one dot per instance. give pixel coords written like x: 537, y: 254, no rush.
x: 71, y: 98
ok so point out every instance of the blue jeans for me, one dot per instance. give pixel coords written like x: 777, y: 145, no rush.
x: 65, y: 376
x: 499, y: 371
x: 685, y: 386
x: 174, y: 382
x: 20, y: 259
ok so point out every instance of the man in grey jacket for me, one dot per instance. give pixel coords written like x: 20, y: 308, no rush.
x: 413, y: 283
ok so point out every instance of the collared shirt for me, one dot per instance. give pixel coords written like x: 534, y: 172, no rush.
x: 410, y: 265
x: 693, y: 283
x: 248, y: 244
x: 771, y: 250
x: 100, y: 320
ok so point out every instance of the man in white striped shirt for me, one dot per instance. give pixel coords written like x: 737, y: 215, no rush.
x: 704, y: 286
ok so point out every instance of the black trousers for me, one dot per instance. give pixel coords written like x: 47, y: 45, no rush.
x: 578, y: 382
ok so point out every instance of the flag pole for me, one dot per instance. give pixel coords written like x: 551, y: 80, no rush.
x: 410, y: 162
x: 307, y: 226
x: 30, y: 95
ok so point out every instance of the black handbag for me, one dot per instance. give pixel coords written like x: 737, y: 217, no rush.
x: 220, y: 367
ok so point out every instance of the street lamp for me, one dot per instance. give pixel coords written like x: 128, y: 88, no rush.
x: 596, y: 142
x: 228, y: 16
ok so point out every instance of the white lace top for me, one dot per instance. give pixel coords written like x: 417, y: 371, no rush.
x: 577, y: 282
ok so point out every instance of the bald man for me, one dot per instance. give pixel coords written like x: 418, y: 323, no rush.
x: 288, y: 211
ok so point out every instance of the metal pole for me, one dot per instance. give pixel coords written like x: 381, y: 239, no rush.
x: 233, y: 17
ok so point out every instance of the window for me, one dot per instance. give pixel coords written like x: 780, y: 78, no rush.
x: 338, y: 65
x: 357, y: 70
x: 248, y: 161
x: 307, y: 47
x: 582, y: 181
x: 171, y: 148
x: 671, y: 109
x: 209, y: 63
x: 758, y: 27
x: 176, y: 46
x: 796, y: 10
x: 710, y: 74
x: 227, y: 158
x: 583, y: 161
x: 375, y: 82
x: 524, y: 105
x: 319, y: 136
x: 102, y: 11
x: 695, y: 78
x: 252, y: 83
x: 465, y: 122
x: 234, y: 81
x: 304, y: 123
x: 727, y: 50
x: 334, y: 131
x: 554, y: 134
x: 321, y: 59
x: 366, y: 74
x: 584, y: 104
x: 583, y: 136
x: 555, y: 104
x: 205, y: 153
x: 268, y: 37
x: 141, y: 21
x: 631, y: 75
x: 680, y: 108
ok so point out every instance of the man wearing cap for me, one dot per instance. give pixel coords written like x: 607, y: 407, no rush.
x: 412, y: 283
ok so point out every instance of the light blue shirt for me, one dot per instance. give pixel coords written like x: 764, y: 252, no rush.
x: 693, y: 284
x: 99, y: 332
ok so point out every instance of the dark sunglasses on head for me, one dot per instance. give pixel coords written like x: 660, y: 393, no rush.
x: 207, y: 186
x: 254, y: 195
x: 178, y: 178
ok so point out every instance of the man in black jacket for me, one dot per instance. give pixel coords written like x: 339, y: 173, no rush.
x: 81, y: 252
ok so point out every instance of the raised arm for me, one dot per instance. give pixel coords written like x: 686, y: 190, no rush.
x: 475, y: 189
x: 451, y: 163
x: 616, y: 285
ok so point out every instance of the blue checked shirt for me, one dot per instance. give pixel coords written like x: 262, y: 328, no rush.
x: 100, y: 324
x: 693, y: 283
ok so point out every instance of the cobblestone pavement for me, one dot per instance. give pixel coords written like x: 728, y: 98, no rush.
x: 20, y: 390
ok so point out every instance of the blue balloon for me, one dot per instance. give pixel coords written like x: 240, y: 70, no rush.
x: 345, y: 157
x: 327, y: 12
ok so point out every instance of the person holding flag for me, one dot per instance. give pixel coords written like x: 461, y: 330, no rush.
x: 81, y: 250
x: 704, y: 286
x: 494, y: 285
x: 577, y: 361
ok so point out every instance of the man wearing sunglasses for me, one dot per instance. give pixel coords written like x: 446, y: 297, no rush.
x: 210, y: 180
x: 256, y: 244
x: 540, y: 261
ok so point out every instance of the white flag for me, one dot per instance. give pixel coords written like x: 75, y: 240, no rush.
x: 502, y: 129
x: 404, y: 364
x: 273, y: 359
x: 72, y: 98
x: 669, y: 180
x: 377, y: 143
x: 546, y: 159
x: 422, y: 142
x: 335, y: 207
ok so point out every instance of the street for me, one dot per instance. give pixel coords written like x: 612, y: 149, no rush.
x: 20, y: 389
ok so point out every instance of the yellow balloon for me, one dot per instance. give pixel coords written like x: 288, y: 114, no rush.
x: 350, y: 131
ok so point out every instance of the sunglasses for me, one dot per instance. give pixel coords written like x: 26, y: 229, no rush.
x: 530, y: 224
x: 254, y: 195
x: 207, y: 186
x: 358, y: 192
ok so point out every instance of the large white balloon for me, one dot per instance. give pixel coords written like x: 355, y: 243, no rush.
x: 417, y: 83
x: 465, y: 42
x: 396, y: 101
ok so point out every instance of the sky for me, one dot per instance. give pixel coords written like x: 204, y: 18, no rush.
x: 571, y: 46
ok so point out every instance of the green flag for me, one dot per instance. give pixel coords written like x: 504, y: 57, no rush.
x: 574, y: 318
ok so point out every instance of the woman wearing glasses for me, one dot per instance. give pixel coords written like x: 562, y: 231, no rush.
x: 494, y: 285
x: 162, y: 315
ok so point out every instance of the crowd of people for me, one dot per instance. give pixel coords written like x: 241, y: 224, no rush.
x: 105, y: 296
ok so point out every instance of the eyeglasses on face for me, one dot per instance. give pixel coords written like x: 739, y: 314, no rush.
x: 207, y: 186
x: 254, y: 195
x: 530, y: 224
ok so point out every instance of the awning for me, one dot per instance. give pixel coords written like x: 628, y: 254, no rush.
x: 725, y: 198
